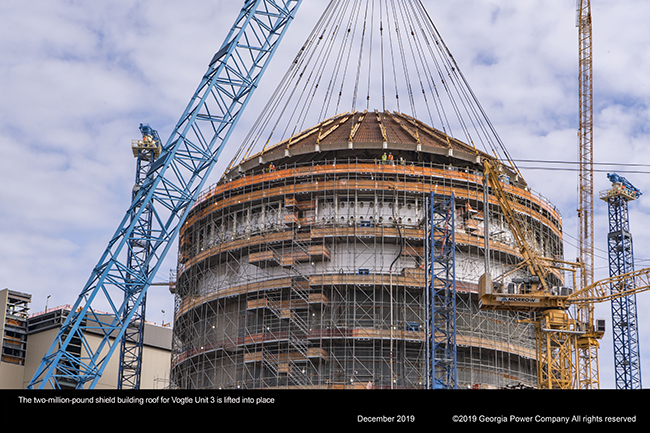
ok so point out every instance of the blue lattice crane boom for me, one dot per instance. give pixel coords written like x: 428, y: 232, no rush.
x: 172, y: 184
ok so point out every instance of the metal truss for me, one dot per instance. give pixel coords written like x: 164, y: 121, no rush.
x: 173, y: 183
x: 556, y: 352
x: 441, y: 289
x: 588, y: 348
x: 627, y: 366
x: 145, y: 151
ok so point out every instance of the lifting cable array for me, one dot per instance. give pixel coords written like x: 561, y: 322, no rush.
x: 388, y: 52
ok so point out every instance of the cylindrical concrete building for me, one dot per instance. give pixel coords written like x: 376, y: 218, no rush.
x: 304, y: 266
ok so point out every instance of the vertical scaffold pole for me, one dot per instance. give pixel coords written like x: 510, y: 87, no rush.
x: 441, y: 293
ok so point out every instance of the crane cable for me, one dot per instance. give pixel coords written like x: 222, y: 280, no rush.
x: 319, y: 76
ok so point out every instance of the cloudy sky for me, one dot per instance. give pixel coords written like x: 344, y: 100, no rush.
x: 78, y: 77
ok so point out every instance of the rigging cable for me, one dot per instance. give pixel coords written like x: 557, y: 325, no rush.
x: 317, y: 84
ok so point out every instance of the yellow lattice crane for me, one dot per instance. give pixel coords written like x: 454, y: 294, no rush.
x: 558, y: 333
x: 567, y: 359
x: 561, y: 334
x: 588, y: 348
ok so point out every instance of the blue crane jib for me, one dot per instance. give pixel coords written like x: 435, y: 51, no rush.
x: 173, y: 182
x: 631, y: 189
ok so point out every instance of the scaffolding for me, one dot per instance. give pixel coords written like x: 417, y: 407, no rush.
x: 284, y: 274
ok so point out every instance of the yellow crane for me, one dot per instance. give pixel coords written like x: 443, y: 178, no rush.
x: 561, y: 337
x: 567, y: 357
x: 558, y: 334
x: 588, y: 348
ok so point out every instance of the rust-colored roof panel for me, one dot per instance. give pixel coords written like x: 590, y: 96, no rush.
x: 374, y: 127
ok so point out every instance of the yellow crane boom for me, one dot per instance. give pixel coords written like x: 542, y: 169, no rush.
x: 611, y: 288
x: 519, y: 230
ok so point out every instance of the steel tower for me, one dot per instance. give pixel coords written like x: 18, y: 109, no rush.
x: 627, y: 366
x: 587, y: 346
x: 145, y: 150
x: 441, y: 289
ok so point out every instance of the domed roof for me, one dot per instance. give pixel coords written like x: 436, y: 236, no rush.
x: 367, y: 135
x: 374, y: 127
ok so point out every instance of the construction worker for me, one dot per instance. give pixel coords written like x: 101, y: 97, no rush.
x: 271, y: 167
x: 383, y: 158
x: 390, y: 158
